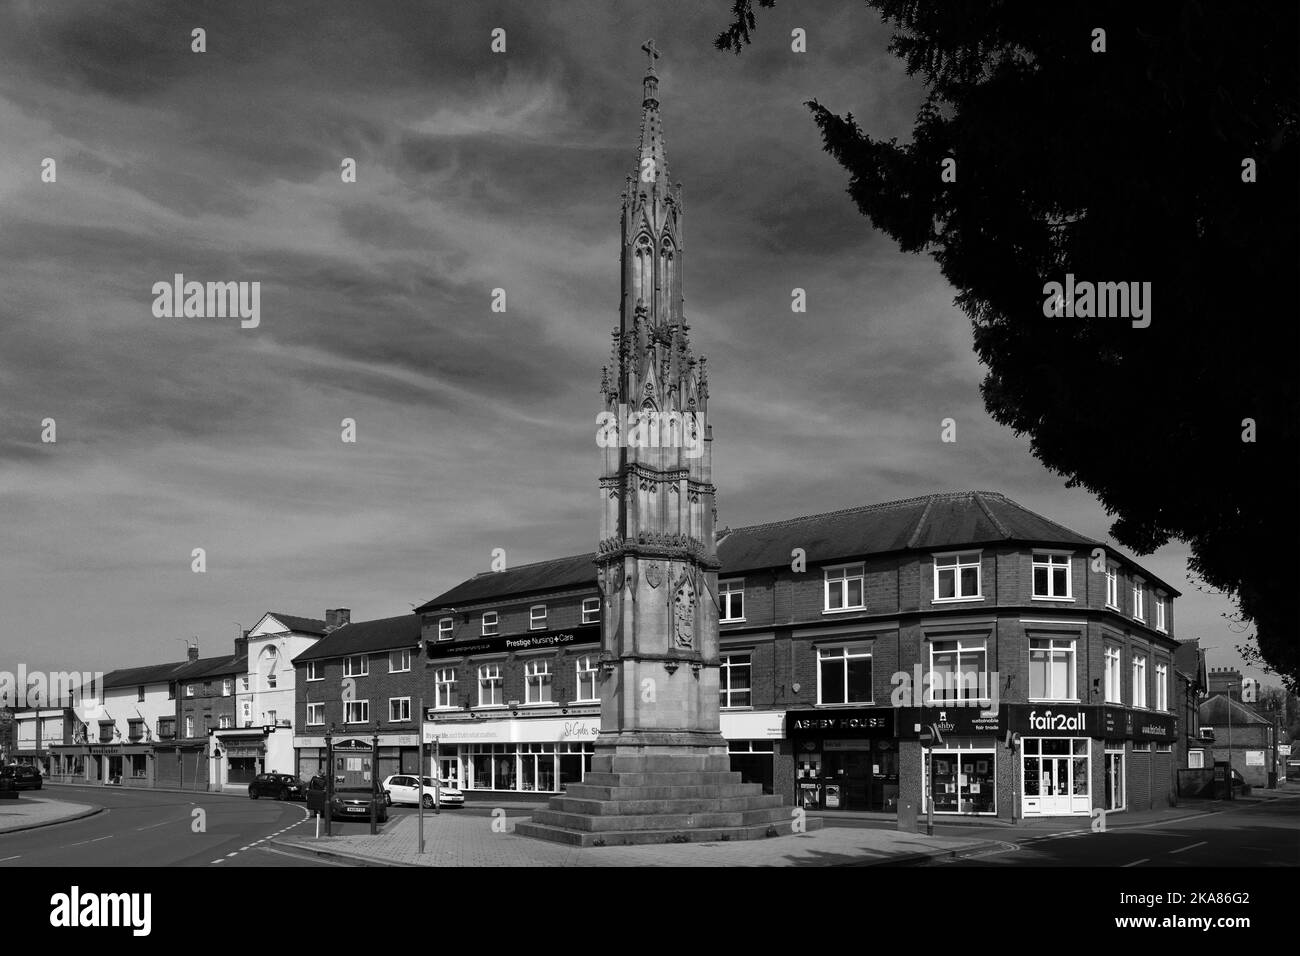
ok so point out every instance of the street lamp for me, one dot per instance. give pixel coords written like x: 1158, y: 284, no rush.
x: 329, y: 779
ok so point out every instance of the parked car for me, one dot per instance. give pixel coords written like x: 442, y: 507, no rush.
x: 22, y: 777
x: 405, y: 788
x: 350, y: 803
x: 282, y: 786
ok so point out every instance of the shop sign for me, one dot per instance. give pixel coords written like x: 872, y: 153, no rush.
x: 542, y: 730
x: 352, y: 743
x: 1053, y: 720
x: 105, y: 751
x: 951, y: 721
x: 244, y: 752
x: 1128, y: 724
x: 763, y: 725
x: 866, y: 722
x: 589, y: 634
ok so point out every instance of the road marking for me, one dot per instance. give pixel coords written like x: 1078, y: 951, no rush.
x: 1192, y: 847
x: 153, y: 826
x: 8, y: 858
x: 231, y: 854
x: 1136, y: 863
x: 219, y: 861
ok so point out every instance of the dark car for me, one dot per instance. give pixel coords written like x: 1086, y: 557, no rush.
x: 282, y: 786
x: 21, y: 777
x: 350, y: 803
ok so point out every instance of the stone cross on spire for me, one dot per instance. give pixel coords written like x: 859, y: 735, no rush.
x: 651, y: 54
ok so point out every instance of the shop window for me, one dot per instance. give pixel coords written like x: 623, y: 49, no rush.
x: 587, y: 678
x: 844, y: 588
x: 958, y: 671
x: 734, y: 681
x: 755, y: 761
x: 490, y: 693
x: 1052, y: 576
x: 844, y: 674
x: 962, y: 781
x: 1051, y: 668
x: 444, y: 687
x: 957, y: 577
x: 731, y: 600
x: 537, y: 682
x: 591, y: 610
x: 138, y: 766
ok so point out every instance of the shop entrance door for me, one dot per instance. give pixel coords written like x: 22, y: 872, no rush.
x: 449, y: 770
x: 1054, y: 777
x: 1115, y: 797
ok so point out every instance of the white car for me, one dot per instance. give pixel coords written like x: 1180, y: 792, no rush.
x: 405, y: 788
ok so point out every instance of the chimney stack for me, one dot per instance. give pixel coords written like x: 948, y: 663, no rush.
x: 337, y: 617
x: 194, y: 650
x: 241, y: 645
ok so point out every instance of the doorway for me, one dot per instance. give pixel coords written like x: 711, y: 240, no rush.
x: 1115, y: 795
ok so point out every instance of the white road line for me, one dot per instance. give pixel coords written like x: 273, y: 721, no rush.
x: 1136, y: 863
x: 8, y: 858
x: 219, y: 861
x: 1192, y: 847
x: 231, y: 854
x: 243, y: 848
x: 154, y: 826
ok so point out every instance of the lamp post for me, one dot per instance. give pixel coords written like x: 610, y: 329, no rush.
x: 374, y: 781
x: 329, y: 779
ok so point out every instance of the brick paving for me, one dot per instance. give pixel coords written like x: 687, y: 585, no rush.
x: 462, y: 840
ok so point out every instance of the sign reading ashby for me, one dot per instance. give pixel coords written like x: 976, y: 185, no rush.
x: 589, y: 634
x: 951, y: 721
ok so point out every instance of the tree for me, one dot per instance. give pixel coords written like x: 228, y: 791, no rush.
x: 1128, y: 165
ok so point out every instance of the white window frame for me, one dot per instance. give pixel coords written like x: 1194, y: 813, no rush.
x: 845, y: 653
x: 189, y: 690
x: 318, y: 710
x: 489, y: 627
x: 444, y: 683
x: 445, y: 628
x: 1162, y: 624
x: 534, y: 671
x: 733, y: 588
x: 1162, y: 686
x: 956, y: 562
x: 361, y: 707
x: 189, y: 727
x: 1137, y: 669
x: 588, y: 664
x: 315, y: 670
x: 223, y: 722
x: 964, y: 694
x: 401, y: 668
x: 533, y: 620
x: 1052, y: 650
x: 591, y: 610
x: 1113, y: 681
x: 839, y: 574
x: 1112, y: 586
x: 726, y: 666
x: 489, y: 675
x: 403, y: 703
x: 1139, y: 600
x: 227, y: 686
x: 349, y: 668
x: 1051, y: 561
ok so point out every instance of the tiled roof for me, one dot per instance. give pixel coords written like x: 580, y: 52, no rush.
x: 1214, y: 713
x: 363, y: 636
x: 931, y: 522
x: 149, y: 674
x: 210, y: 666
x: 303, y: 625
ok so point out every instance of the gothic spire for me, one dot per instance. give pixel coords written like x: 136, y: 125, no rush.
x: 652, y: 127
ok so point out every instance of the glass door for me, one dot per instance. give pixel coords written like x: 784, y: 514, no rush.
x: 1115, y: 781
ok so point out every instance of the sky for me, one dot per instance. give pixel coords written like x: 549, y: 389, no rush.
x: 475, y: 429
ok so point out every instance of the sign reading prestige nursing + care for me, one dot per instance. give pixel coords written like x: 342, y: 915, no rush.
x: 589, y: 634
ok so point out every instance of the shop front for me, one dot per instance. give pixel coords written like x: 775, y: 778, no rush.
x: 516, y: 754
x: 398, y: 753
x: 752, y: 743
x: 114, y: 765
x: 960, y: 766
x: 845, y: 759
x: 1055, y: 757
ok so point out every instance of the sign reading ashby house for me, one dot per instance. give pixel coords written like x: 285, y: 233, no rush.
x: 589, y: 634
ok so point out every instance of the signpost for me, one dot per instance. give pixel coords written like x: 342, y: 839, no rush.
x: 929, y: 737
x: 419, y: 767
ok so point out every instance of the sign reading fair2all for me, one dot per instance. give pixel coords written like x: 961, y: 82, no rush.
x: 590, y: 634
x: 1054, y: 720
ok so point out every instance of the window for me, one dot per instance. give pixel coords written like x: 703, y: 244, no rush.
x: 844, y: 674
x: 1139, y: 604
x: 1164, y: 748
x: 444, y: 687
x: 444, y: 629
x: 167, y: 727
x: 1113, y: 693
x: 135, y: 729
x: 243, y: 683
x: 1139, y: 680
x: 537, y: 682
x: 734, y: 683
x: 356, y: 711
x: 957, y: 577
x: 315, y: 670
x: 189, y: 690
x: 844, y: 588
x: 139, y: 694
x: 207, y: 688
x: 1051, y: 668
x: 189, y: 727
x: 489, y: 685
x: 171, y: 691
x: 1162, y: 686
x: 731, y: 600
x: 1161, y: 625
x: 315, y: 715
x: 270, y: 719
x: 399, y: 661
x: 489, y: 623
x: 224, y: 722
x: 1112, y: 586
x: 399, y: 709
x: 1052, y: 576
x: 537, y: 617
x: 271, y: 680
x: 227, y: 687
x: 587, y: 672
x: 356, y: 666
x: 958, y: 671
x: 591, y: 610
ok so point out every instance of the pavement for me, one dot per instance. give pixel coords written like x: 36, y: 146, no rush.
x: 30, y: 811
x: 454, y: 838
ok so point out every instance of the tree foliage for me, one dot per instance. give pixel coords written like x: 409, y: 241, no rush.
x: 1117, y: 166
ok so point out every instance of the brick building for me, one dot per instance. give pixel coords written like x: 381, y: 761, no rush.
x: 1241, y: 736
